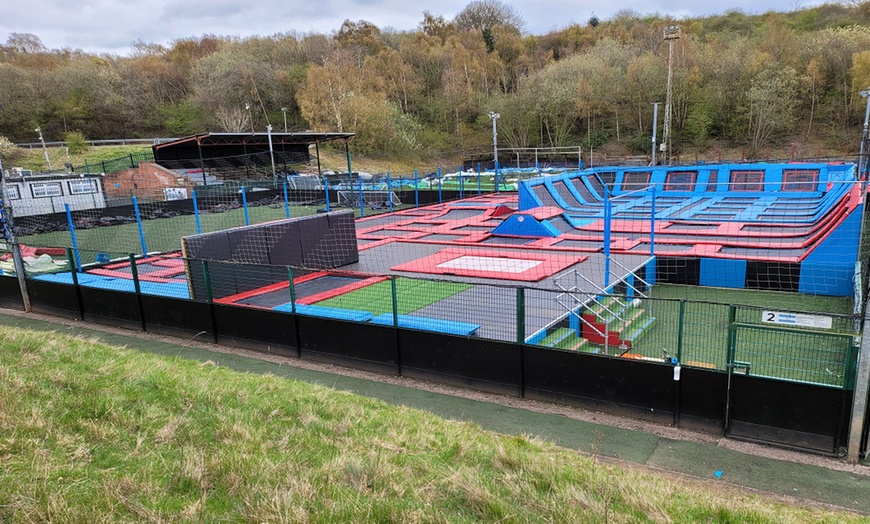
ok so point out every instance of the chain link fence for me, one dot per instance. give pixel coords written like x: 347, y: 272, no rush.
x: 131, y: 243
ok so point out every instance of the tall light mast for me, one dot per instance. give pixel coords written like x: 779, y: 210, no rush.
x: 672, y: 33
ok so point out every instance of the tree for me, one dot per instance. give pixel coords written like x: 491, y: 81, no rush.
x: 770, y: 104
x: 488, y: 39
x: 861, y: 70
x: 232, y: 119
x: 400, y: 82
x: 479, y: 14
x: 437, y: 26
x: 233, y: 76
x: 463, y: 78
x: 25, y: 43
x: 813, y: 81
x: 8, y: 151
x: 554, y: 94
x: 332, y: 92
x: 340, y: 96
x: 645, y: 80
x: 362, y: 37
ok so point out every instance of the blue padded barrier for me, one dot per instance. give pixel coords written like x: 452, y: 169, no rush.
x: 450, y: 327
x: 328, y: 312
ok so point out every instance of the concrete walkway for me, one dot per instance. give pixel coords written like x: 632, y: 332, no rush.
x: 847, y: 489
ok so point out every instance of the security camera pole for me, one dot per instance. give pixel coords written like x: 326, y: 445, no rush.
x: 44, y: 149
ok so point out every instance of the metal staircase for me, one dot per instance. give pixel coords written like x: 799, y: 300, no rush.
x: 600, y: 323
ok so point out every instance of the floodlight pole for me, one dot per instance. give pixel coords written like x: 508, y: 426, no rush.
x: 271, y: 151
x: 672, y: 32
x: 44, y: 149
x: 862, y: 161
x: 284, y: 111
x: 495, y: 116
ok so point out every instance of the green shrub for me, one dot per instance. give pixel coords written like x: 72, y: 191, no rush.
x: 76, y: 142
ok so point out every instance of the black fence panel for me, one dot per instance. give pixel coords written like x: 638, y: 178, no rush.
x: 177, y: 317
x: 481, y: 364
x: 10, y: 293
x: 623, y: 386
x: 702, y: 398
x: 366, y: 346
x: 257, y: 329
x: 800, y: 415
x: 53, y: 298
x: 114, y: 308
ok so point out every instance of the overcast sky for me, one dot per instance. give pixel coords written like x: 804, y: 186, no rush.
x: 110, y: 26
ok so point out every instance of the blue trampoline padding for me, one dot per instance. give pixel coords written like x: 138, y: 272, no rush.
x: 66, y: 278
x: 171, y: 289
x: 450, y: 327
x: 328, y: 312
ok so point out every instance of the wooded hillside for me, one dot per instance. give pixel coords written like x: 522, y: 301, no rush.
x: 748, y: 79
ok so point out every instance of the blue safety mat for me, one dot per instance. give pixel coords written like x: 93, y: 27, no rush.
x: 451, y: 327
x: 328, y: 312
x: 172, y: 289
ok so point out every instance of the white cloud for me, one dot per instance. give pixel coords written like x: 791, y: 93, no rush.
x: 111, y: 26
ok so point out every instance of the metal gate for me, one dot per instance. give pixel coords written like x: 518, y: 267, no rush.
x: 790, y: 377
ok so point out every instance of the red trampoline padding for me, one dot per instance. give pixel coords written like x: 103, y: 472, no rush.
x: 526, y: 267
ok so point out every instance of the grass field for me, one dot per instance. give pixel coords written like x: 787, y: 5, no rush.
x: 35, y: 159
x: 411, y: 295
x: 161, y: 234
x: 92, y: 433
x: 803, y: 355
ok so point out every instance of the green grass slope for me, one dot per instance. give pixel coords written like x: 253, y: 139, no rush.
x: 91, y: 433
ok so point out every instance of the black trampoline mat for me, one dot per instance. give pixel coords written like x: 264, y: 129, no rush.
x: 322, y: 284
x: 460, y: 214
x: 269, y: 299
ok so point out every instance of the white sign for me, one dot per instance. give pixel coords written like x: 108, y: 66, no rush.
x: 175, y: 193
x: 796, y: 319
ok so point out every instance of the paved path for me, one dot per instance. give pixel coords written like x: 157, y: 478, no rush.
x: 846, y: 489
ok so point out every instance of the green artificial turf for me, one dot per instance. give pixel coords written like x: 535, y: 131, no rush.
x: 817, y: 356
x: 162, y: 234
x: 411, y: 295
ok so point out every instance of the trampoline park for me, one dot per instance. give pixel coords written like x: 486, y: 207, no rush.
x: 523, y: 293
x: 586, y: 246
